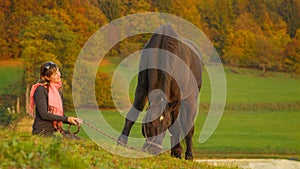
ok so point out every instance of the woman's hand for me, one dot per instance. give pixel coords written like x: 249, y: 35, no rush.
x: 74, y: 121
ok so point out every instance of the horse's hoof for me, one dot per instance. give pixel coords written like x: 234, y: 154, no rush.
x: 189, y: 157
x: 122, y: 140
x: 176, y: 154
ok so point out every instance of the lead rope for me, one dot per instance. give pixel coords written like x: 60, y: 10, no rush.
x: 109, y: 136
x: 150, y: 142
x: 125, y: 145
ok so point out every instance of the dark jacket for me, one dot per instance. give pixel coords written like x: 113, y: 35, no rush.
x: 43, y: 122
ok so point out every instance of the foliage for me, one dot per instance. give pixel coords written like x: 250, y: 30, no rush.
x: 250, y: 33
x: 111, y: 8
x: 220, y: 20
x: 22, y: 150
x: 6, y: 117
x: 292, y: 56
x: 267, y: 29
x: 50, y: 40
x: 289, y: 10
x: 103, y: 90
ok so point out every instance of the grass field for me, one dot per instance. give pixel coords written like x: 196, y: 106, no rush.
x: 11, y: 73
x: 261, y: 117
x: 246, y: 88
x: 22, y: 150
x: 272, y: 134
x: 253, y: 134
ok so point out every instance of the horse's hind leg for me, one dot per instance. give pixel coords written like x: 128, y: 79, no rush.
x: 187, y: 122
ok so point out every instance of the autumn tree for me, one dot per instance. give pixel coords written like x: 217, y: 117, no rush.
x: 292, y: 54
x: 267, y: 28
x: 16, y: 18
x: 289, y: 10
x: 217, y: 19
x: 112, y: 9
x: 4, y: 45
x: 44, y: 39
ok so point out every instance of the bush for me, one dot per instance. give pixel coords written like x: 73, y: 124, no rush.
x: 22, y: 150
x: 6, y: 117
x: 103, y: 90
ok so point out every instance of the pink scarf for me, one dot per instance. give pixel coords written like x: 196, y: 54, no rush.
x: 54, y: 101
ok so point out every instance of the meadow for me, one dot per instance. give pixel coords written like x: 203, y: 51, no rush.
x: 11, y: 72
x: 261, y: 117
x: 22, y: 150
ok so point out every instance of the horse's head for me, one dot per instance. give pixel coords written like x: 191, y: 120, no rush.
x: 157, y: 120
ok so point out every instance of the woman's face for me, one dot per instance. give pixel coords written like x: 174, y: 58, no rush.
x: 55, y: 77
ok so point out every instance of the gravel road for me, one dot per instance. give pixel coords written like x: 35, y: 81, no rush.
x: 254, y: 163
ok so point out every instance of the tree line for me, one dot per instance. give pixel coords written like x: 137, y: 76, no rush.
x: 261, y: 34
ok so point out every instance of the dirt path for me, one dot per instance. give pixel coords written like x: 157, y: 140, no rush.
x: 254, y: 163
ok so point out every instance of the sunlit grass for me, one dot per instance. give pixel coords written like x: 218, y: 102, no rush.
x: 22, y: 150
x: 242, y: 134
x: 11, y: 73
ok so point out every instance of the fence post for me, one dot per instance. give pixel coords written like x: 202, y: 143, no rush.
x: 18, y: 105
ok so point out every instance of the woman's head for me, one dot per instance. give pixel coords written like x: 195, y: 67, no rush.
x: 49, y: 72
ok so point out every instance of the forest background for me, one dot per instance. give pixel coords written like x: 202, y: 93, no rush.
x: 259, y: 34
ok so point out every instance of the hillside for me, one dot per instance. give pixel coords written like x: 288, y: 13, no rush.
x: 263, y: 34
x: 22, y: 150
x: 260, y: 118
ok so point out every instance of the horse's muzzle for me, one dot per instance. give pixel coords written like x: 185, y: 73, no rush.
x: 152, y: 147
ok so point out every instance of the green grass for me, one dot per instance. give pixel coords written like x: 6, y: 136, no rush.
x: 246, y: 89
x: 10, y: 74
x: 252, y: 88
x: 252, y: 134
x: 109, y: 64
x: 244, y: 134
x: 261, y: 117
x: 22, y: 150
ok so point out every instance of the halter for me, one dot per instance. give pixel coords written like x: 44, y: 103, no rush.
x: 150, y: 142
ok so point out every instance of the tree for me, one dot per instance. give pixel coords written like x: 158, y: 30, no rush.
x: 292, y: 54
x: 240, y: 49
x: 112, y: 9
x: 46, y: 38
x: 217, y: 19
x: 162, y: 6
x: 289, y: 10
x: 257, y: 9
x: 136, y: 6
x: 4, y: 12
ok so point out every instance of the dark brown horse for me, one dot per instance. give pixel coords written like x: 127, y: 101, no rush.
x: 169, y: 79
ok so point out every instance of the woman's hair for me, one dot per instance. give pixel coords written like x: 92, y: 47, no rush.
x: 46, y: 70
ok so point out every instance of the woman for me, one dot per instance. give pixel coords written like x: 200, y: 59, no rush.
x: 46, y: 96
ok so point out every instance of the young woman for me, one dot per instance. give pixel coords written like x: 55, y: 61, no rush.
x: 46, y: 96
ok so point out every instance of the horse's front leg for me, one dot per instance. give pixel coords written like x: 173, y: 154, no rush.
x: 132, y: 115
x: 174, y: 130
x: 138, y: 106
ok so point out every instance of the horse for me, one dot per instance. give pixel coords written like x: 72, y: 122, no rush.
x: 169, y: 80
